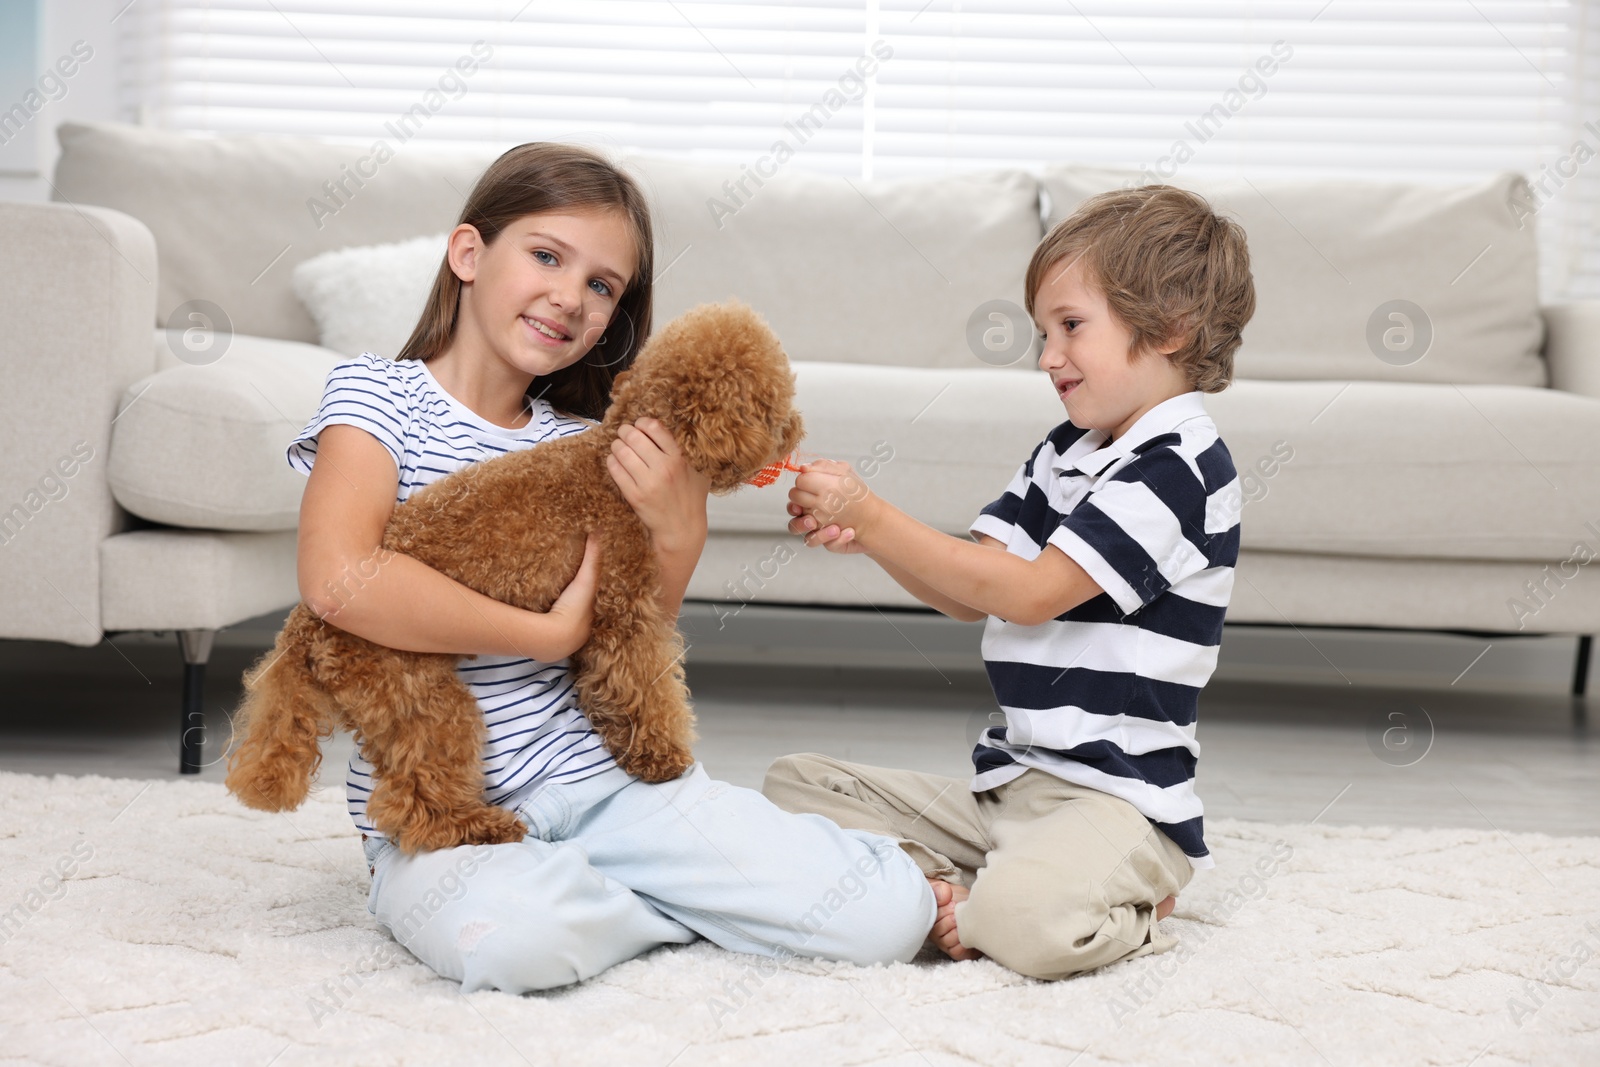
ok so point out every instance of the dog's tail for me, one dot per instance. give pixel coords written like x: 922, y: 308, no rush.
x: 284, y: 715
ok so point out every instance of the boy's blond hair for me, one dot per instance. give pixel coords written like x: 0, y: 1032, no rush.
x: 1168, y: 266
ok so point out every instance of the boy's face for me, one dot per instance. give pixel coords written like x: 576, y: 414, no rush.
x: 1086, y: 355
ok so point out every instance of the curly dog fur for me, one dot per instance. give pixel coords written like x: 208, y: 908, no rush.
x: 513, y: 528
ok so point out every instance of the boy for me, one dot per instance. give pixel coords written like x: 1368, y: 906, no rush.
x: 1104, y: 571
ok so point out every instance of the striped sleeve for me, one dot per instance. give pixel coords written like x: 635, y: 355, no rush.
x: 998, y: 518
x: 363, y: 392
x: 1143, y: 531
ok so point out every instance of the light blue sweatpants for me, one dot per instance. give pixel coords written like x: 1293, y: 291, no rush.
x: 613, y: 866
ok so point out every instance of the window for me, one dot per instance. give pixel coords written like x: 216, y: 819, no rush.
x: 1435, y: 90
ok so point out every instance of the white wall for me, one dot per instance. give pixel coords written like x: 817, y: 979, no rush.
x: 91, y: 91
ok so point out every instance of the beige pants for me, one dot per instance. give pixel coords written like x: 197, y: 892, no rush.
x: 1063, y: 878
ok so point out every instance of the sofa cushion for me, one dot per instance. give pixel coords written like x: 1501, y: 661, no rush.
x: 1393, y: 470
x: 1414, y: 471
x: 159, y: 579
x: 233, y: 214
x: 846, y: 271
x: 368, y: 299
x: 202, y: 445
x: 1327, y: 255
x: 1362, y: 469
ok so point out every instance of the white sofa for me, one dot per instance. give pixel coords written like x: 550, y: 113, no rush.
x: 1398, y: 492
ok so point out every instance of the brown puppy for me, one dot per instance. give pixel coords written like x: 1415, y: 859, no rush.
x: 513, y: 528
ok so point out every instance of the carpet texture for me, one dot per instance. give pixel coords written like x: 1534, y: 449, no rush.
x: 160, y: 922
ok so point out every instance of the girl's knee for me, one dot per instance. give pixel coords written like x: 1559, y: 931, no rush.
x: 879, y: 910
x: 519, y: 957
x: 536, y: 916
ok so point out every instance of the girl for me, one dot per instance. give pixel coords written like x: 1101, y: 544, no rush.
x: 543, y: 298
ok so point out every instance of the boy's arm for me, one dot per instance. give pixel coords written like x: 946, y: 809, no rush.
x: 929, y: 595
x: 971, y: 574
x: 836, y: 540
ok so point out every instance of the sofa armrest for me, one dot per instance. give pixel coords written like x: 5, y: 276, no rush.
x: 1572, y: 346
x: 80, y: 290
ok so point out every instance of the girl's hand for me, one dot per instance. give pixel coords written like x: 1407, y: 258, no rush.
x: 833, y: 538
x: 573, y: 612
x: 835, y: 505
x: 667, y: 494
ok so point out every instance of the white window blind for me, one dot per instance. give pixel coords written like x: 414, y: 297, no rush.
x: 1436, y: 90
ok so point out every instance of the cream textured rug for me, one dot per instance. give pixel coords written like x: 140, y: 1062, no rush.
x: 189, y: 930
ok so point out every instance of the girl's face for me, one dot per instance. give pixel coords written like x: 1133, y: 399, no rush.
x: 544, y: 291
x: 1086, y: 354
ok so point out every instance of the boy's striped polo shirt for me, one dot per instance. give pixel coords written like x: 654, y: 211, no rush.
x: 1106, y: 694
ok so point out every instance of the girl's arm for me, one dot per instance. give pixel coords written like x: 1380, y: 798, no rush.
x: 1027, y: 592
x: 348, y: 579
x: 669, y: 497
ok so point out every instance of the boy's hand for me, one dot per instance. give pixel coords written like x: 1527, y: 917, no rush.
x: 836, y: 509
x: 667, y: 494
x: 832, y: 538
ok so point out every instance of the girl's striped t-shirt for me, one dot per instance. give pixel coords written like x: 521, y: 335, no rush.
x: 536, y: 731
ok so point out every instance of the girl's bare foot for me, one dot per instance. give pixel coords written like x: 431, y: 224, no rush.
x: 1164, y: 908
x: 943, y: 933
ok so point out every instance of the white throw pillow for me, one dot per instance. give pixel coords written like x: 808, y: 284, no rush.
x: 368, y: 299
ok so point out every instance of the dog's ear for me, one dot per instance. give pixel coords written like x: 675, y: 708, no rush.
x: 620, y: 404
x: 790, y: 434
x: 722, y: 446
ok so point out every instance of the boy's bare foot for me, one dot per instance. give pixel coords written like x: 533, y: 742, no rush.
x: 1164, y: 908
x: 943, y: 933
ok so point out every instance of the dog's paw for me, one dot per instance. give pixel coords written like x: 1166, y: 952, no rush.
x: 268, y: 792
x: 481, y: 825
x: 495, y: 826
x: 658, y: 766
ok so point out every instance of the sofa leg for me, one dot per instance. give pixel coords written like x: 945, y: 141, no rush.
x: 1580, y: 670
x: 196, y: 648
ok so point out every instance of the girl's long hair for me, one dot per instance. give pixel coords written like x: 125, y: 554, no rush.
x: 547, y: 176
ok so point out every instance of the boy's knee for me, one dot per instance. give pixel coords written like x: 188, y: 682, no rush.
x: 1046, y: 935
x: 1032, y: 954
x: 1048, y: 963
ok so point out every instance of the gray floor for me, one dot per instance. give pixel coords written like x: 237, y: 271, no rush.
x: 1272, y: 751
